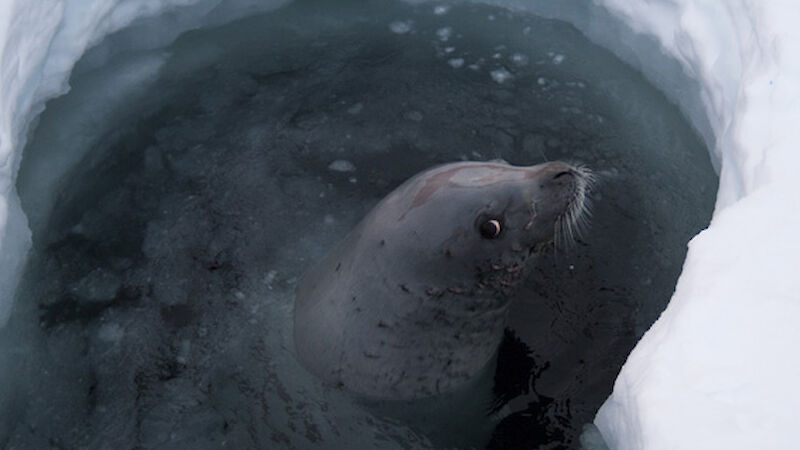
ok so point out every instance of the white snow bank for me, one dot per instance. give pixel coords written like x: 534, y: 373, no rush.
x: 719, y: 368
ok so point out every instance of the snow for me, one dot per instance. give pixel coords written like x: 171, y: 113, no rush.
x: 718, y: 369
x: 736, y: 378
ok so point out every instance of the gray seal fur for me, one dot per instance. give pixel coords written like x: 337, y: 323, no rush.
x: 414, y: 301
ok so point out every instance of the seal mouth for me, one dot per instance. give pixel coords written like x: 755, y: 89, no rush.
x: 574, y: 220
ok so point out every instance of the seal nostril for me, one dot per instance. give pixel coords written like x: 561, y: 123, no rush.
x: 560, y: 174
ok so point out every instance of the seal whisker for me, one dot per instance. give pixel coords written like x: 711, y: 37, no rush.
x: 574, y: 221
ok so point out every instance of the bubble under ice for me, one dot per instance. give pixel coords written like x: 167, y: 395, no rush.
x: 198, y: 216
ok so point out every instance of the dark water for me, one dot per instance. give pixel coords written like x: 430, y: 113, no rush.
x: 156, y: 309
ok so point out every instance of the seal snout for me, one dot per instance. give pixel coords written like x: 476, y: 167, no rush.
x: 574, y: 218
x: 560, y: 199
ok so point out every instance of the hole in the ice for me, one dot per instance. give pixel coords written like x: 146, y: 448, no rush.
x: 203, y: 180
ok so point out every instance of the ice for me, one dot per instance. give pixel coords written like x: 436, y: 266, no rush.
x: 414, y: 116
x: 444, y: 34
x: 342, y: 165
x: 440, y: 10
x: 98, y: 286
x: 15, y: 240
x: 736, y: 372
x: 591, y: 439
x: 48, y: 38
x: 456, y: 63
x: 355, y: 109
x: 501, y: 75
x: 401, y: 26
x: 519, y: 59
x: 698, y: 379
x: 110, y: 332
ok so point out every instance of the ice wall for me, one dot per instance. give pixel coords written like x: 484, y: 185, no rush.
x: 718, y: 369
x: 40, y: 42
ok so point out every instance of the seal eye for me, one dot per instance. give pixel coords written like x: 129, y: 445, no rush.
x: 490, y: 229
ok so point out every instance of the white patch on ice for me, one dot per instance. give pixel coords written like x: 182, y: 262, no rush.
x: 355, y: 109
x: 444, y: 33
x: 456, y: 62
x: 401, y: 26
x: 500, y: 75
x: 341, y: 165
x: 441, y: 10
x: 519, y: 59
x: 270, y: 277
x: 414, y: 116
x: 558, y: 59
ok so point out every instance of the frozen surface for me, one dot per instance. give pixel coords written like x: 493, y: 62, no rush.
x: 720, y: 364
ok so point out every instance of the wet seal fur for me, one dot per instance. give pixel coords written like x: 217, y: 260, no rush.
x: 414, y: 301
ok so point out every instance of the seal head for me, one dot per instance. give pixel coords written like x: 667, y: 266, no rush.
x: 414, y: 301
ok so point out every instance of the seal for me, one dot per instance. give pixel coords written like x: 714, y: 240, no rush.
x: 414, y: 301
